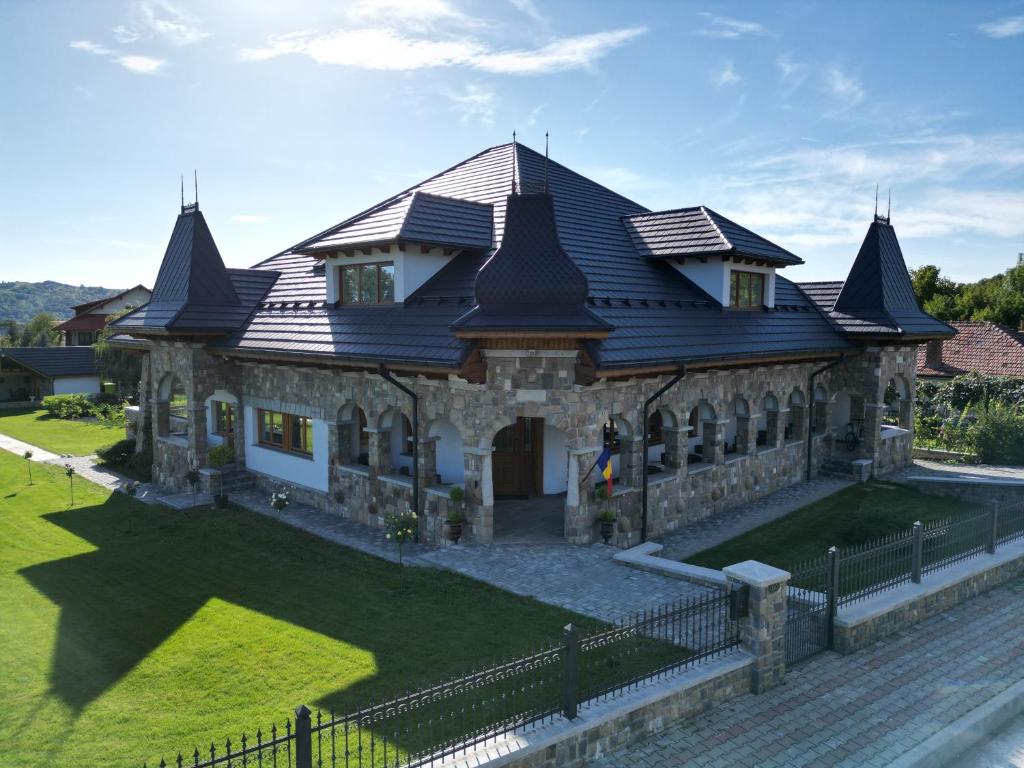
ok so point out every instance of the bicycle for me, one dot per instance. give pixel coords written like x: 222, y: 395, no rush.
x: 852, y: 439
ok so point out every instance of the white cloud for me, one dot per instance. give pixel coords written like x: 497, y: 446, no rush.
x: 247, y: 218
x: 475, y: 102
x: 170, y: 22
x: 90, y: 47
x: 143, y: 65
x: 124, y: 35
x: 846, y: 88
x: 528, y: 7
x: 1008, y: 27
x: 419, y: 13
x: 531, y: 120
x: 725, y: 76
x: 726, y: 28
x: 387, y: 49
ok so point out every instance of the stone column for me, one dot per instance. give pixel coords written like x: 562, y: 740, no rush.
x: 871, y: 444
x: 714, y: 441
x: 380, y: 451
x: 907, y: 413
x: 675, y: 446
x: 774, y: 421
x: 428, y: 462
x: 345, y: 439
x: 746, y: 434
x: 145, y: 418
x: 763, y: 629
x: 630, y: 468
x: 580, y: 510
x: 197, y: 441
x: 479, y: 490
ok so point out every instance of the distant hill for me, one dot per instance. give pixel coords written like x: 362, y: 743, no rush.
x: 23, y: 301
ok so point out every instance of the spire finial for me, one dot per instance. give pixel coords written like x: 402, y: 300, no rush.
x: 183, y: 192
x: 876, y: 200
x: 195, y: 180
x: 888, y: 208
x: 513, y: 161
x: 545, y: 162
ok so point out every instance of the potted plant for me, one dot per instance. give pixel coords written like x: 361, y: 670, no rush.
x: 607, y: 515
x: 279, y: 500
x: 456, y: 497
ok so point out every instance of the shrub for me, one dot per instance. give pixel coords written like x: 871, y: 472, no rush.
x: 998, y: 436
x: 110, y: 414
x: 120, y: 452
x: 67, y: 406
x: 220, y: 455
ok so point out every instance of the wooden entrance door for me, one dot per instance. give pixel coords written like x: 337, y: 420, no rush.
x: 518, y: 458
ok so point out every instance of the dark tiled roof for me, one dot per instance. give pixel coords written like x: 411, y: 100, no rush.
x: 979, y: 347
x: 877, y: 298
x: 658, y: 315
x: 51, y: 362
x: 700, y: 231
x: 194, y: 291
x: 88, y: 322
x: 416, y: 217
x: 530, y: 282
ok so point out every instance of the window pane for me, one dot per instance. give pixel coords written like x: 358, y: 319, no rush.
x: 264, y: 427
x: 350, y: 285
x: 308, y: 436
x: 277, y: 428
x: 368, y: 284
x: 387, y: 283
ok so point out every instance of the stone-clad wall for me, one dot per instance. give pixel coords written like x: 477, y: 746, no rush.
x: 539, y: 384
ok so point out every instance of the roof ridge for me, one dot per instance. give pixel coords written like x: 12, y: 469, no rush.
x: 704, y: 209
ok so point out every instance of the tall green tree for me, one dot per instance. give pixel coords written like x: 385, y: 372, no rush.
x: 120, y: 366
x: 39, y: 332
x: 997, y: 299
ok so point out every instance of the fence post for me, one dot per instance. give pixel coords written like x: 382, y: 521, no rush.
x: 303, y: 738
x: 993, y: 527
x: 570, y: 671
x: 917, y: 553
x: 833, y: 595
x: 762, y: 628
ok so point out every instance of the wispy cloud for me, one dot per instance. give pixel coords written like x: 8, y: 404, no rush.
x: 1007, y: 27
x: 474, y: 103
x: 143, y: 65
x: 418, y: 14
x: 249, y: 218
x: 846, y: 88
x: 530, y: 9
x: 725, y: 76
x: 124, y: 35
x: 170, y: 22
x: 727, y: 28
x: 388, y: 49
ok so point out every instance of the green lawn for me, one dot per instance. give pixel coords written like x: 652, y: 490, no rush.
x: 852, y: 516
x: 128, y: 632
x: 78, y: 438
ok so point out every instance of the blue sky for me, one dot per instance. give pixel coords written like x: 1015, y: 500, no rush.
x: 297, y: 114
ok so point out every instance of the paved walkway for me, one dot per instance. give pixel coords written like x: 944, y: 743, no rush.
x: 719, y: 528
x: 583, y: 579
x: 18, y: 447
x: 866, y: 709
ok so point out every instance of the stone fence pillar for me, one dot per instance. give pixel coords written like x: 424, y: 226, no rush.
x: 763, y: 629
x: 478, y: 485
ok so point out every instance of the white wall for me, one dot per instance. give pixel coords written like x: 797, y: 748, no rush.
x: 841, y: 411
x: 311, y: 473
x: 713, y: 277
x: 73, y: 385
x: 556, y: 460
x: 449, y: 457
x: 134, y: 298
x: 413, y: 267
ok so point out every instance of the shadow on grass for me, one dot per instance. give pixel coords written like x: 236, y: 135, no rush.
x: 149, y: 576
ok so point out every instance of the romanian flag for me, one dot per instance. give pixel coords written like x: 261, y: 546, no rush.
x: 604, y: 463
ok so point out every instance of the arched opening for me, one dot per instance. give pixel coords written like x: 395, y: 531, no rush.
x: 701, y: 442
x: 530, y: 471
x: 847, y: 417
x: 737, y: 429
x: 172, y: 413
x: 398, y: 442
x: 796, y: 418
x: 819, y: 420
x: 222, y: 416
x: 617, y: 436
x: 897, y: 411
x: 768, y: 423
x: 662, y: 441
x: 449, y: 460
x: 353, y: 439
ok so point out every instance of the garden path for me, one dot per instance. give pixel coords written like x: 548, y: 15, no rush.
x: 19, y: 447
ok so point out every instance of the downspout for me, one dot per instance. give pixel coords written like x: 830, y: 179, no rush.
x: 810, y: 399
x: 646, y: 441
x: 386, y: 375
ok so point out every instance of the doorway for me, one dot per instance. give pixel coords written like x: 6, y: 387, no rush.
x: 518, y: 459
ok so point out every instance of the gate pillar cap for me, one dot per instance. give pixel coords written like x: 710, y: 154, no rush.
x: 756, y: 574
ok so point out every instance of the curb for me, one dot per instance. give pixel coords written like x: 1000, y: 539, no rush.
x: 971, y: 729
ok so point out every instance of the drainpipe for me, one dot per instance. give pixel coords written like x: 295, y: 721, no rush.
x: 810, y: 414
x: 647, y: 408
x: 386, y: 375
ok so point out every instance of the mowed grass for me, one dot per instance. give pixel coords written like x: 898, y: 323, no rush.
x: 128, y: 632
x: 852, y: 516
x: 78, y: 438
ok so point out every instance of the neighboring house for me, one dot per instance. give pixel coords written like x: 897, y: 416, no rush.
x: 978, y: 347
x: 31, y: 373
x: 459, y: 334
x: 90, y: 318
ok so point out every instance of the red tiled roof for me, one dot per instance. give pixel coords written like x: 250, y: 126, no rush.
x: 83, y: 323
x: 980, y: 347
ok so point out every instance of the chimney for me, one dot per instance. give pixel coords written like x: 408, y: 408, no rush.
x: 933, y: 353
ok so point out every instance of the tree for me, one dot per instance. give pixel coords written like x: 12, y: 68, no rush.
x: 39, y: 332
x: 997, y: 299
x: 120, y: 366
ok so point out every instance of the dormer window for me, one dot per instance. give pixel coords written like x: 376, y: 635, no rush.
x: 746, y: 289
x: 367, y: 283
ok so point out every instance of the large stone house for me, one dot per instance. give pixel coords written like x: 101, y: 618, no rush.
x: 498, y: 324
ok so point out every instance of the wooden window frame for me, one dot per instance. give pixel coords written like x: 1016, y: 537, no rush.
x: 343, y: 268
x: 288, y: 421
x: 219, y: 426
x: 734, y: 288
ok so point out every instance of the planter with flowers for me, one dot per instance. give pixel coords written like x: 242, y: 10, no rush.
x: 279, y: 501
x: 607, y: 515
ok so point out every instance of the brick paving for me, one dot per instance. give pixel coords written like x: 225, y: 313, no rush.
x: 866, y: 709
x: 712, y: 531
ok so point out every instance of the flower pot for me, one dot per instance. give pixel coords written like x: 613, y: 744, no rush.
x: 454, y: 532
x: 607, y: 530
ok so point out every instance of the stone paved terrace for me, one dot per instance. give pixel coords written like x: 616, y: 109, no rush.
x: 712, y: 531
x: 866, y: 709
x: 579, y: 578
x: 923, y: 467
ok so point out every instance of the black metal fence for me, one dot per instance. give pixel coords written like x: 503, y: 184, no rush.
x: 440, y: 721
x: 908, y: 556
